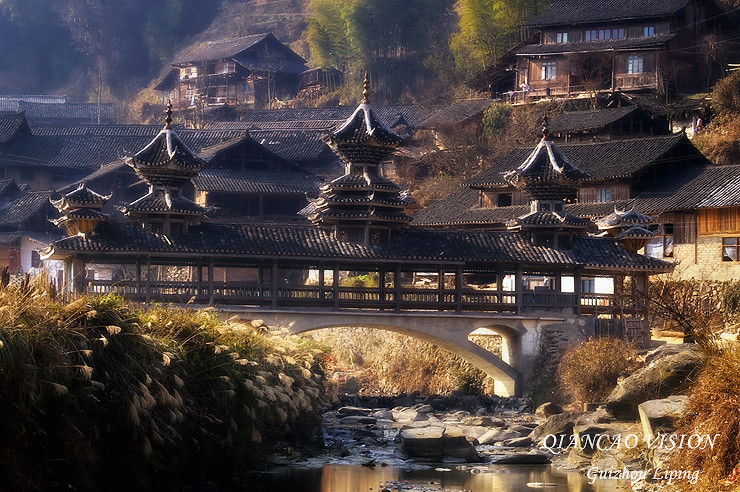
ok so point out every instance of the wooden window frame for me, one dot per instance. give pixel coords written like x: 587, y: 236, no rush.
x: 734, y: 246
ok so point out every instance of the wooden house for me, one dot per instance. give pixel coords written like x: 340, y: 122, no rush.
x: 581, y: 46
x: 252, y: 70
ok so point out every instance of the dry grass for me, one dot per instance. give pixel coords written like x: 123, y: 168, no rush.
x: 714, y: 408
x: 93, y: 393
x: 390, y: 363
x: 589, y: 371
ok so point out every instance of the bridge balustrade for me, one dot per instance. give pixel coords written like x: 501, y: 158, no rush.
x: 374, y: 298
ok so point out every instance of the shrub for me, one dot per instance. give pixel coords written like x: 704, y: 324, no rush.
x: 589, y: 371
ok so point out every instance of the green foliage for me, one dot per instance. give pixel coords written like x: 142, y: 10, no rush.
x: 589, y: 371
x: 389, y: 39
x: 496, y: 118
x: 93, y: 393
x: 486, y: 29
x: 361, y: 280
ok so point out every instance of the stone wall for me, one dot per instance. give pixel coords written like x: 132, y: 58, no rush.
x: 554, y: 339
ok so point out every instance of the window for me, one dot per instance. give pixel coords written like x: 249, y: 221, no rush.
x: 635, y: 64
x: 561, y: 37
x: 504, y: 200
x: 604, y: 195
x: 617, y: 33
x: 661, y: 246
x: 549, y: 70
x: 591, y: 35
x: 730, y: 249
x: 605, y: 34
x: 588, y: 285
x: 648, y: 31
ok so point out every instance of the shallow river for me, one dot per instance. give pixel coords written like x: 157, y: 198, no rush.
x: 356, y: 478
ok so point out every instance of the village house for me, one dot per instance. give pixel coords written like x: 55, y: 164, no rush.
x: 693, y: 205
x: 24, y: 226
x: 584, y: 47
x: 254, y: 71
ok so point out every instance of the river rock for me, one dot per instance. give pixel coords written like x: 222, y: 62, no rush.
x: 548, y: 409
x: 531, y: 458
x: 474, y: 432
x: 456, y: 445
x: 661, y: 415
x: 404, y: 401
x: 357, y: 420
x: 408, y: 415
x: 557, y: 425
x: 345, y: 411
x: 498, y: 435
x: 483, y: 421
x: 436, y: 442
x: 518, y: 442
x: 524, y: 430
x: 424, y: 409
x: 664, y: 376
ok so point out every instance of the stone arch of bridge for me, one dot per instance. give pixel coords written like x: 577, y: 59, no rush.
x: 450, y: 333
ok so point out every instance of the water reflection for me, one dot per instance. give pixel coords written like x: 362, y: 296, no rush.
x: 354, y: 478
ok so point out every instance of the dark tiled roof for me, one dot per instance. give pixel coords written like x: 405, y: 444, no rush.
x: 12, y: 125
x: 550, y: 218
x: 601, y: 160
x: 456, y: 113
x: 72, y: 111
x: 269, y: 182
x: 364, y: 126
x: 229, y: 48
x: 501, y: 248
x: 88, y: 146
x: 700, y: 187
x: 18, y: 208
x: 574, y: 121
x: 331, y: 118
x: 160, y: 201
x: 571, y: 12
x: 82, y: 196
x: 592, y: 46
x: 166, y: 160
x: 9, y: 238
x: 621, y: 218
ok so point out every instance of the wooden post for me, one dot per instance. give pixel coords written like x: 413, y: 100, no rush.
x: 321, y: 282
x: 458, y: 288
x: 518, y: 287
x: 440, y: 288
x: 211, y: 292
x: 577, y: 289
x: 381, y: 286
x: 274, y: 286
x: 397, y: 287
x: 137, y: 277
x: 335, y: 286
x: 148, y: 280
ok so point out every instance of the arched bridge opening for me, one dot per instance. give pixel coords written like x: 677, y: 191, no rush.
x: 452, y: 333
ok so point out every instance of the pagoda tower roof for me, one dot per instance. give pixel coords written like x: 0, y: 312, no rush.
x: 166, y: 160
x: 81, y: 197
x: 546, y: 174
x: 363, y: 138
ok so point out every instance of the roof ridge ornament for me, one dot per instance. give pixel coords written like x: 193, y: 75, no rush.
x: 545, y: 127
x: 366, y: 90
x: 168, y: 112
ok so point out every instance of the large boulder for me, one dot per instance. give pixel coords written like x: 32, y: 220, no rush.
x: 661, y: 415
x: 668, y: 373
x: 346, y: 411
x: 435, y: 442
x: 548, y: 409
x: 557, y: 425
x: 498, y: 435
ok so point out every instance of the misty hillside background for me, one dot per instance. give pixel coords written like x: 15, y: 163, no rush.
x: 415, y: 50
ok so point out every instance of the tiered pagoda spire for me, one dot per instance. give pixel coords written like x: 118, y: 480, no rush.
x: 81, y: 210
x: 166, y: 164
x: 362, y: 206
x: 550, y: 180
x: 629, y: 227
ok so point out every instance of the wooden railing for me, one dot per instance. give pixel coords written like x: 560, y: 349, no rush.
x: 375, y: 298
